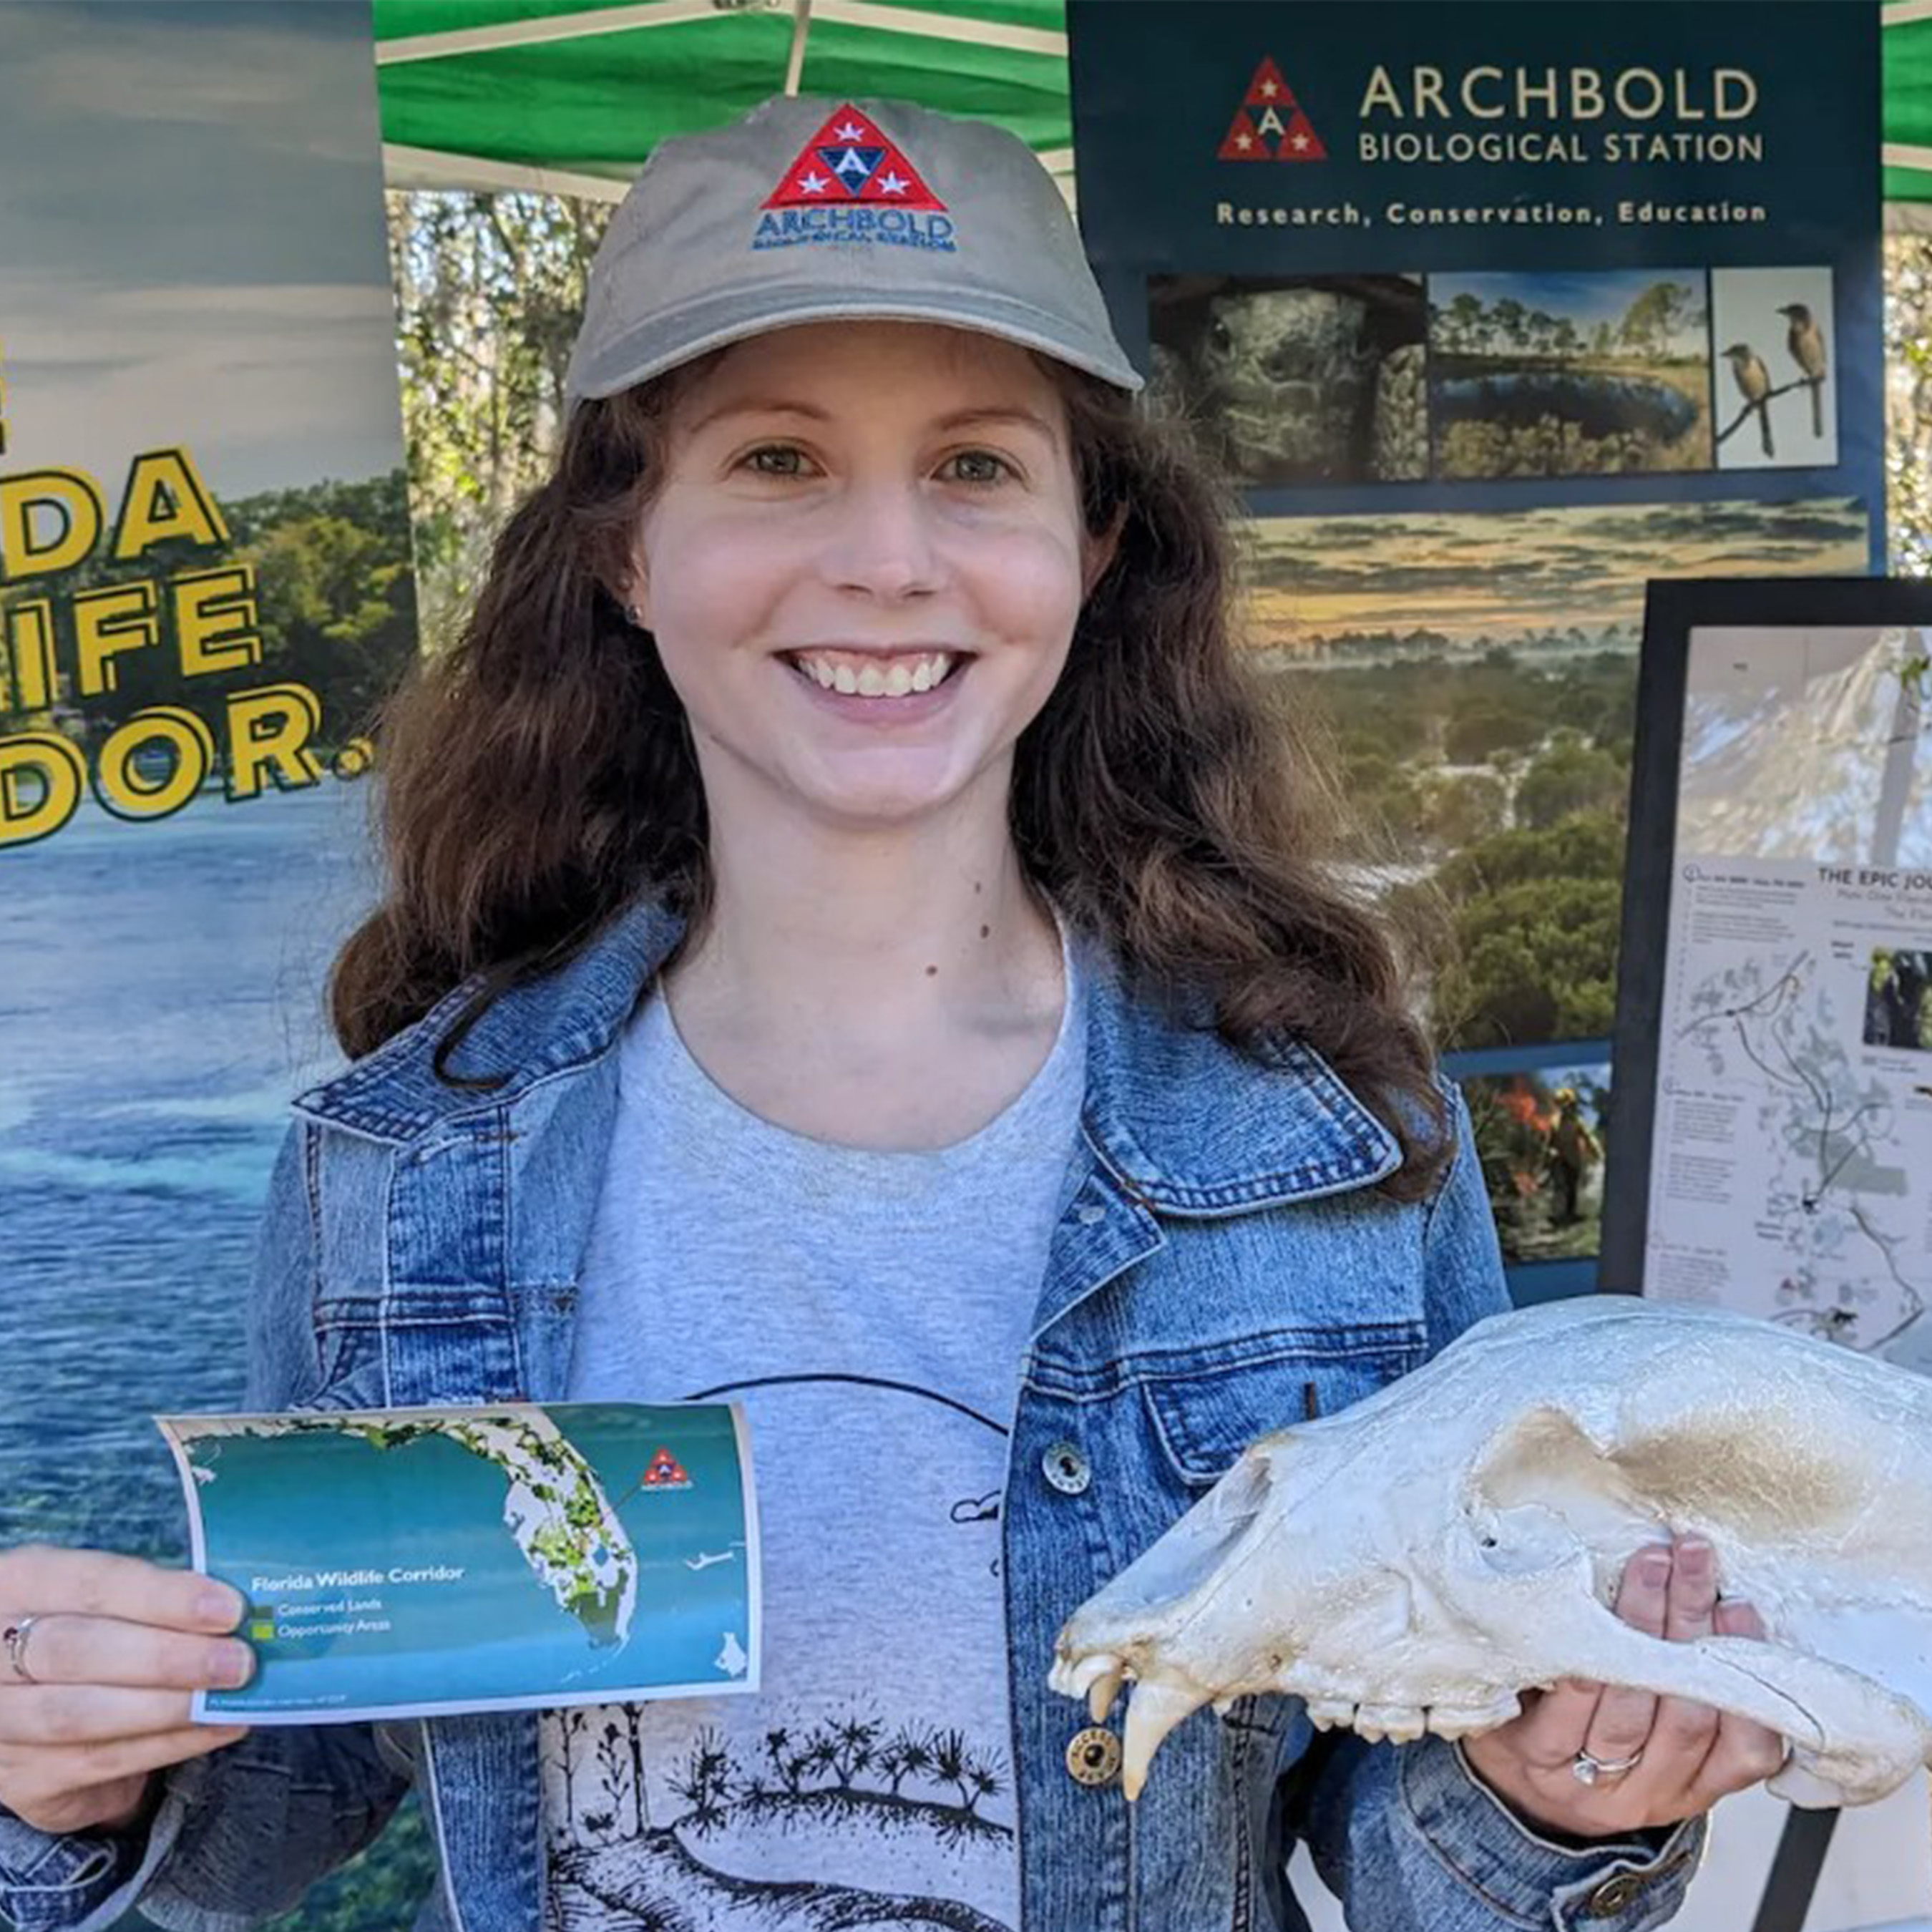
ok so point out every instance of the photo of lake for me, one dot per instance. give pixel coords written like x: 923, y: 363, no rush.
x: 1569, y: 374
x: 162, y: 1004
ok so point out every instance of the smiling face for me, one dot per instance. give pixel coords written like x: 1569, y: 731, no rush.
x: 863, y: 569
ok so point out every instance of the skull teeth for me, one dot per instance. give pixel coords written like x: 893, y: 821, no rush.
x: 1153, y: 1710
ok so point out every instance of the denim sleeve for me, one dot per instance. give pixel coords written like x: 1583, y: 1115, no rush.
x: 239, y: 1835
x: 1407, y: 1837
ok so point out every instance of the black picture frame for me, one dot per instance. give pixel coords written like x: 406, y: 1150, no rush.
x: 1674, y: 609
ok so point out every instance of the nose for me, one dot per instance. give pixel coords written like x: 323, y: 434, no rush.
x: 883, y: 543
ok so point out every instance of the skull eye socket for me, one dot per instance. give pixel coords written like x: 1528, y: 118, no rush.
x: 1219, y: 339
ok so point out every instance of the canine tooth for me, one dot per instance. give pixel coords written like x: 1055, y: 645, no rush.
x: 842, y: 680
x: 1100, y: 1696
x: 1153, y: 1710
x: 823, y: 672
x: 921, y: 676
x: 899, y: 681
x: 941, y: 664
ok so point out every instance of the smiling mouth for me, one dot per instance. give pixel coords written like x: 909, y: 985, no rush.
x: 873, y: 674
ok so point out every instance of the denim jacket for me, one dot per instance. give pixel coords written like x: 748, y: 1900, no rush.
x: 1224, y: 1264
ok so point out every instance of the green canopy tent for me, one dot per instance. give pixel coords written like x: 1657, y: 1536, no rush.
x: 571, y: 96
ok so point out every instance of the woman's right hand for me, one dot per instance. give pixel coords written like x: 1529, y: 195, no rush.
x: 116, y: 1646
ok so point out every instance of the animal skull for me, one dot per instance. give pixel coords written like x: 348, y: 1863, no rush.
x: 1416, y: 1561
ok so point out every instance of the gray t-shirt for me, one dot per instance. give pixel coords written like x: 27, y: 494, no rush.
x: 869, y: 1310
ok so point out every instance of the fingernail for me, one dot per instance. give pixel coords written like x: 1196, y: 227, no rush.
x: 1656, y: 1571
x: 1694, y: 1554
x: 234, y: 1664
x: 220, y: 1605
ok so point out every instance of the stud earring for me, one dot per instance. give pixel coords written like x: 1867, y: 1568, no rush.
x: 635, y: 616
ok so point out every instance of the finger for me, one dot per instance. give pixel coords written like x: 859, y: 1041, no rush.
x: 1743, y: 1753
x: 1621, y: 1727
x: 1551, y: 1731
x: 36, y: 1579
x: 38, y: 1787
x: 63, y: 1649
x: 64, y: 1714
x: 1683, y: 1731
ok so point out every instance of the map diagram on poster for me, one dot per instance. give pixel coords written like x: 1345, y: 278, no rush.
x: 1791, y: 1160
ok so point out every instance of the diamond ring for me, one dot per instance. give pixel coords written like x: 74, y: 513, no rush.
x: 1588, y: 1770
x: 14, y: 1637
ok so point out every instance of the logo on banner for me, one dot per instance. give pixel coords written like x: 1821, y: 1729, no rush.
x: 1271, y: 124
x: 666, y: 1472
x: 852, y: 183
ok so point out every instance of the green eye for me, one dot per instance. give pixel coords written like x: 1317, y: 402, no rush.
x: 776, y: 459
x: 979, y: 465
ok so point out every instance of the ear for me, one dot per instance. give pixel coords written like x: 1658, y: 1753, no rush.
x: 1097, y: 552
x: 632, y: 589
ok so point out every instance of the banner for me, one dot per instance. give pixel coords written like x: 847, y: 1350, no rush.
x: 1494, y: 312
x: 204, y: 587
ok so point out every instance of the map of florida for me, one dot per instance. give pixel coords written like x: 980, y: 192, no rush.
x: 553, y: 1504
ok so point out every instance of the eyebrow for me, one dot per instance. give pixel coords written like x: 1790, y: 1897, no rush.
x: 957, y: 420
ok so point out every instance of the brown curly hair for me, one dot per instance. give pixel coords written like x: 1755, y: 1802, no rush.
x: 539, y: 775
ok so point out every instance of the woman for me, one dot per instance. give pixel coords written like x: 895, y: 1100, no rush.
x: 855, y: 946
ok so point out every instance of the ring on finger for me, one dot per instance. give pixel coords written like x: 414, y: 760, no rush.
x: 14, y: 1638
x: 1588, y: 1770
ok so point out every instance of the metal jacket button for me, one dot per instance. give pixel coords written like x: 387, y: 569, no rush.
x: 1614, y: 1895
x: 1065, y: 1468
x: 1093, y: 1756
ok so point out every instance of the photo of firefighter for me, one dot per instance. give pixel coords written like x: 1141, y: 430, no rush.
x: 1540, y: 1136
x: 1898, y: 999
x: 1304, y: 379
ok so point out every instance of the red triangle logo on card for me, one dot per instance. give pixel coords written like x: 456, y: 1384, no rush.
x: 1269, y: 124
x: 849, y: 159
x: 666, y: 1472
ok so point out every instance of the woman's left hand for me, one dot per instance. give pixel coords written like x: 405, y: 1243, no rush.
x: 1688, y: 1755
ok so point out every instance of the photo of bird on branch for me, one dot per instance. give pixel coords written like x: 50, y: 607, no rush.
x: 1778, y: 348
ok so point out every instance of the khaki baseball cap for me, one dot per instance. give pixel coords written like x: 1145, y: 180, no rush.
x: 820, y: 211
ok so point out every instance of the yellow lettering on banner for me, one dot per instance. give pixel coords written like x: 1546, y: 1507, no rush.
x: 166, y: 499
x: 1586, y: 94
x: 215, y: 619
x: 30, y: 655
x: 107, y: 623
x: 72, y: 495
x: 62, y: 773
x: 125, y: 791
x: 269, y: 731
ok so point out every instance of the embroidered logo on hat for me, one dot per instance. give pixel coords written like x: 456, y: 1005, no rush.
x: 849, y: 159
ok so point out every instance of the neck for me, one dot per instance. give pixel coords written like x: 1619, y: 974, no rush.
x: 856, y: 939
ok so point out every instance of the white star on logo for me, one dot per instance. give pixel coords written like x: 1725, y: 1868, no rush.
x: 851, y: 131
x: 1300, y: 141
x: 1269, y: 88
x: 849, y: 163
x: 892, y: 184
x: 1244, y: 141
x: 814, y: 183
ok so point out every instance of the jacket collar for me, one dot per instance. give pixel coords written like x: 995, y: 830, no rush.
x: 1183, y: 1121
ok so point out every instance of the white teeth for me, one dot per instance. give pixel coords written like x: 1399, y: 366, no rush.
x: 897, y: 679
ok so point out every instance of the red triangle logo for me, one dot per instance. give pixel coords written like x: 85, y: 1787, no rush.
x: 666, y: 1472
x: 849, y: 159
x: 1244, y: 141
x: 1301, y: 142
x: 1267, y: 88
x: 1269, y: 124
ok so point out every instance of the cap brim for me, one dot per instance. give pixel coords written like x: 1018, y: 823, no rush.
x: 669, y: 341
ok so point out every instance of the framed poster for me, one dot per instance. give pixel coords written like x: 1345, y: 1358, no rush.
x: 1771, y: 1148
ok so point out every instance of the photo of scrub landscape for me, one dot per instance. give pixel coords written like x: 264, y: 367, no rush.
x: 1603, y: 374
x: 1477, y: 675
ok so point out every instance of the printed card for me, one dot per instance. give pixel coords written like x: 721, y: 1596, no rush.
x: 417, y: 1562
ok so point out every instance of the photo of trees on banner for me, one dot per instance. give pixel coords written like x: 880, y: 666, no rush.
x: 1477, y: 672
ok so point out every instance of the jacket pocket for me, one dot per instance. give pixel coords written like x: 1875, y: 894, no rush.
x: 420, y: 1347
x: 1204, y: 1416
